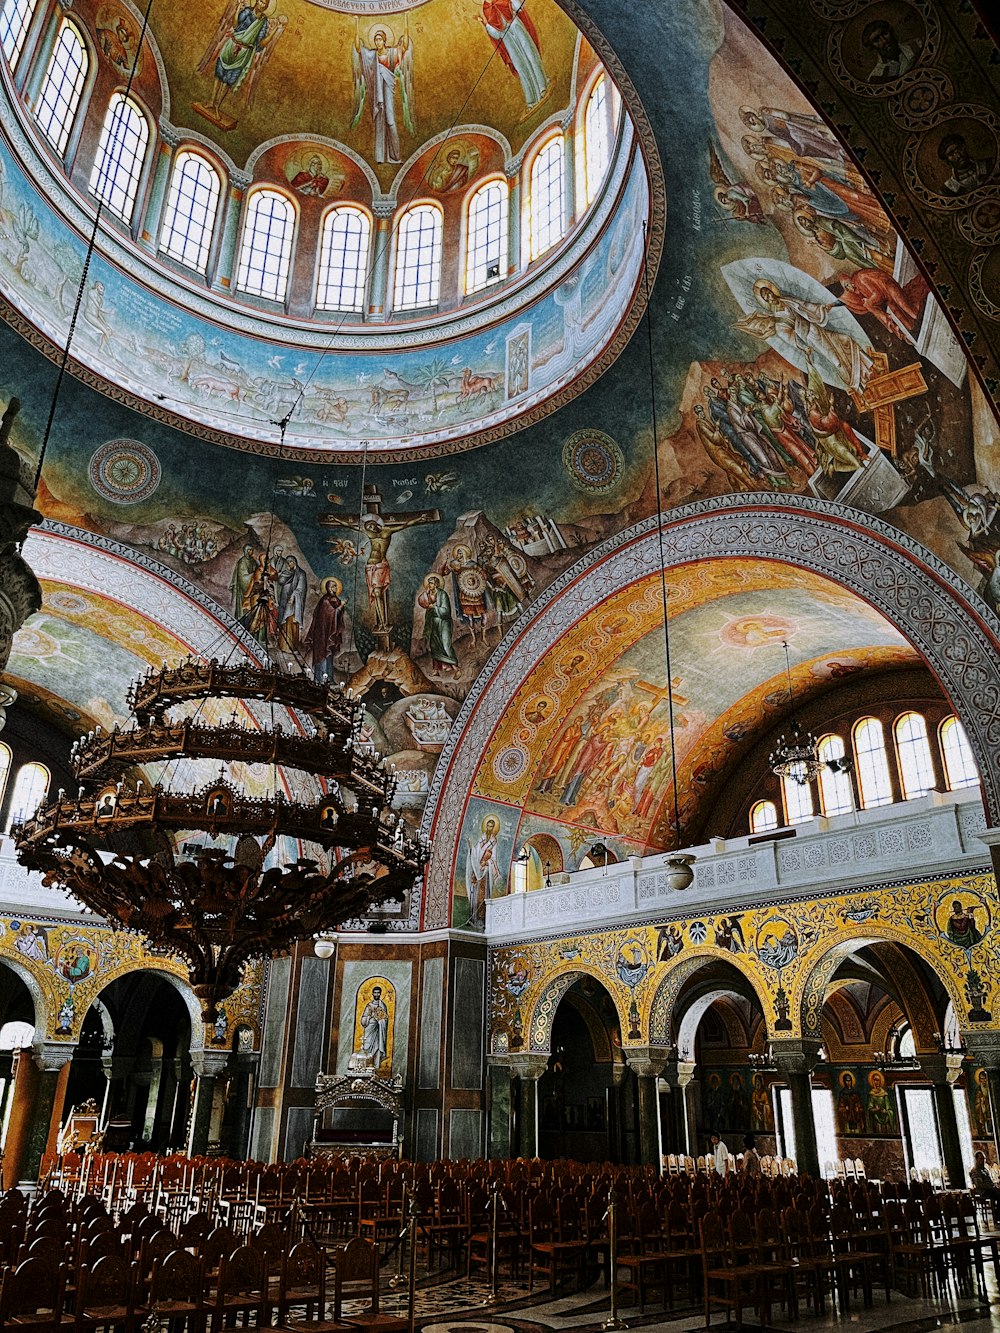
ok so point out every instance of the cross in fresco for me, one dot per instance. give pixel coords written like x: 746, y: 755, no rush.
x: 883, y: 389
x: 379, y: 529
x: 662, y: 693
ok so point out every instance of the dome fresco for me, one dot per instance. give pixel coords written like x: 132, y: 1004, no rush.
x: 795, y: 349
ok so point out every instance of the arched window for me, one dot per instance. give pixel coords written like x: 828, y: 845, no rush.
x: 798, y: 799
x: 763, y: 817
x: 266, y: 250
x: 546, y: 199
x: 30, y: 787
x: 15, y: 20
x: 343, y: 260
x: 596, y: 153
x: 5, y: 758
x: 913, y: 751
x: 418, y: 258
x: 519, y: 871
x: 15, y: 1035
x: 120, y: 156
x: 836, y: 791
x: 959, y: 762
x: 192, y: 207
x: 486, y: 236
x: 872, y: 764
x: 62, y: 87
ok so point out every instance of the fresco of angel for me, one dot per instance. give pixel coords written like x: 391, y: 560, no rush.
x: 378, y: 69
x: 515, y: 40
x: 735, y: 198
x: 240, y: 48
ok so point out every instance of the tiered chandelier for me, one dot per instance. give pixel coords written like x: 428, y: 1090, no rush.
x: 796, y: 756
x: 186, y: 869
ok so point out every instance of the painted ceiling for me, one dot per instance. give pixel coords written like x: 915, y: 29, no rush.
x: 793, y: 346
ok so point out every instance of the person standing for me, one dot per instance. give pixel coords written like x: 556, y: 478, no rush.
x: 720, y: 1154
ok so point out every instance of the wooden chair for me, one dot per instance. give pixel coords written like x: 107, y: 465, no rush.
x: 644, y: 1255
x: 548, y: 1252
x: 302, y: 1301
x: 176, y: 1291
x: 241, y: 1290
x: 33, y: 1295
x: 725, y: 1283
x: 106, y: 1294
x: 356, y: 1278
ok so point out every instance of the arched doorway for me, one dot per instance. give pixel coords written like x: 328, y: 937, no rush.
x: 584, y: 1098
x: 134, y: 1060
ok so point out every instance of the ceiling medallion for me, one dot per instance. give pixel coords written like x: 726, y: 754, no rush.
x: 185, y: 864
x: 593, y: 460
x: 124, y: 471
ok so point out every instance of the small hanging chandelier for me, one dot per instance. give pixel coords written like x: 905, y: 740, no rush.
x: 796, y: 755
x: 187, y: 869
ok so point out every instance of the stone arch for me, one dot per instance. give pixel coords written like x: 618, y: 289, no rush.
x: 810, y: 991
x: 24, y: 973
x: 946, y: 622
x: 662, y: 1011
x: 163, y: 973
x: 539, y: 1024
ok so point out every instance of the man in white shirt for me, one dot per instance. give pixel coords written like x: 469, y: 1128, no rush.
x: 721, y: 1154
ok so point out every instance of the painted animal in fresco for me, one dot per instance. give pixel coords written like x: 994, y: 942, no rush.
x: 211, y: 386
x: 388, y: 400
x: 477, y: 386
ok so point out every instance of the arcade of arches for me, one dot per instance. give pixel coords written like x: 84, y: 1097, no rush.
x: 596, y: 409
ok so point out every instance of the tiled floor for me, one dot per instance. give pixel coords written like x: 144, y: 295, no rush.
x: 455, y: 1306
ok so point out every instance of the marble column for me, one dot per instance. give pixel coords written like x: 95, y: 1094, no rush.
x: 678, y: 1076
x: 242, y: 1093
x: 499, y: 1144
x: 378, y: 283
x: 149, y: 233
x: 224, y: 268
x: 569, y: 173
x: 943, y: 1070
x: 795, y: 1058
x: 984, y: 1051
x: 647, y: 1063
x: 208, y: 1065
x: 51, y: 1058
x: 528, y: 1067
x: 513, y: 174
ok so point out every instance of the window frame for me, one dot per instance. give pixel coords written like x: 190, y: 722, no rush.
x: 329, y: 214
x: 472, y: 288
x: 72, y: 116
x: 865, y: 803
x: 954, y: 723
x: 761, y: 805
x: 139, y: 163
x: 6, y: 768
x: 586, y: 191
x: 802, y: 790
x: 828, y: 779
x: 22, y: 811
x: 287, y: 256
x: 553, y: 137
x: 26, y: 18
x: 907, y: 763
x: 402, y: 230
x: 207, y: 244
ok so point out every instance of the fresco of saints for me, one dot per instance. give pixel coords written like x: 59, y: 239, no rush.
x: 881, y: 1116
x: 961, y: 926
x: 239, y: 50
x: 850, y: 1109
x: 438, y: 625
x: 805, y: 329
x: 516, y: 41
x: 375, y: 1030
x: 377, y: 71
x: 481, y: 870
x: 326, y: 630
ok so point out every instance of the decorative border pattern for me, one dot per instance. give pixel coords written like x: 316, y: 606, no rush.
x: 949, y: 625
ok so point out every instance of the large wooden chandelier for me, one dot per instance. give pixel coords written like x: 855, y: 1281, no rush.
x: 186, y: 869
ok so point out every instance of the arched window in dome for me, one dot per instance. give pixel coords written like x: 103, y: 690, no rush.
x: 418, y: 258
x: 595, y: 141
x: 913, y: 751
x: 546, y: 198
x: 15, y: 20
x: 836, y: 791
x: 192, y: 207
x: 798, y: 799
x: 872, y: 764
x: 763, y: 817
x: 343, y: 260
x: 120, y: 156
x: 266, y: 249
x: 960, y: 768
x: 62, y: 87
x: 486, y: 236
x: 30, y: 787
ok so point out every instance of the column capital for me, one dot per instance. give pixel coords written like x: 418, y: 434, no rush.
x: 169, y: 133
x: 50, y: 1056
x: 647, y: 1061
x: 795, y: 1055
x: 941, y: 1068
x: 383, y: 207
x: 678, y: 1073
x: 530, y: 1065
x: 239, y: 180
x: 984, y: 1047
x: 209, y: 1064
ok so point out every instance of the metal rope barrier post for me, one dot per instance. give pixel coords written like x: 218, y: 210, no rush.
x: 410, y: 1232
x: 397, y: 1278
x: 613, y: 1321
x: 494, y: 1204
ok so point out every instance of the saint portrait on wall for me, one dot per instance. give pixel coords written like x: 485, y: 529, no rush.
x: 374, y: 1017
